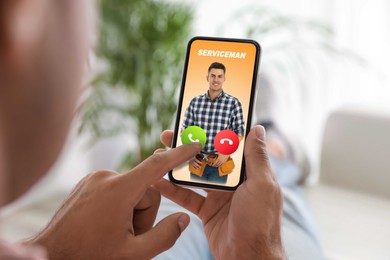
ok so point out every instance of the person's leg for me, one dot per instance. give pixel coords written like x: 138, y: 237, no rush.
x: 192, y: 244
x: 213, y: 175
x: 210, y: 174
x: 204, y: 176
x: 195, y: 177
x: 300, y: 235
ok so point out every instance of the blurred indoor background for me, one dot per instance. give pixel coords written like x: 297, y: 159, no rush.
x: 324, y: 67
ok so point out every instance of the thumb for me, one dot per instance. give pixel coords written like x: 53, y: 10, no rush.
x: 256, y: 156
x: 164, y: 235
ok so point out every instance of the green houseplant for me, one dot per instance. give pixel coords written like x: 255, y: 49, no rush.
x: 140, y: 51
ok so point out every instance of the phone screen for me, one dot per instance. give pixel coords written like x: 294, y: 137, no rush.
x: 215, y: 109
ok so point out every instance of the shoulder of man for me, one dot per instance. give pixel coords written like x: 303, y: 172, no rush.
x: 197, y: 98
x: 232, y: 98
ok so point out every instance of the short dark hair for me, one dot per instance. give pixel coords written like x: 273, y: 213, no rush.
x: 217, y: 65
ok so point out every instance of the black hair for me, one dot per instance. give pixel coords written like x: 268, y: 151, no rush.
x: 217, y: 65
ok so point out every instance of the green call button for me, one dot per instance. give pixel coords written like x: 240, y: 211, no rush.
x: 193, y: 134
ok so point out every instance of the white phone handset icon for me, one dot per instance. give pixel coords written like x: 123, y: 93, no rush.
x: 192, y: 140
x: 223, y: 140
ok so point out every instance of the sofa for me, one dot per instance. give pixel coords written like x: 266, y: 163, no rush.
x: 351, y: 200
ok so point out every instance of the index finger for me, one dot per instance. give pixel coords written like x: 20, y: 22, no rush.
x: 166, y: 137
x: 158, y: 164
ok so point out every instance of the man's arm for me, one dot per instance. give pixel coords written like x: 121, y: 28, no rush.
x: 110, y: 215
x: 188, y: 116
x: 189, y: 121
x: 238, y: 120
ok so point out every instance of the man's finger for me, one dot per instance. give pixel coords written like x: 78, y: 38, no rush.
x: 166, y: 137
x: 217, y: 163
x: 157, y: 165
x: 163, y: 236
x: 145, y: 211
x: 186, y: 198
x: 256, y: 157
x: 195, y: 166
x: 159, y: 150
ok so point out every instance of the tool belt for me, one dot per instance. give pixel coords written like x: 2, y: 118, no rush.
x: 205, y: 159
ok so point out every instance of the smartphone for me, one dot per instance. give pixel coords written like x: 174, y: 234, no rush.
x: 215, y: 108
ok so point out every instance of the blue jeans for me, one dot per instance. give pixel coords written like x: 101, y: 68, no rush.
x: 210, y: 174
x: 299, y: 232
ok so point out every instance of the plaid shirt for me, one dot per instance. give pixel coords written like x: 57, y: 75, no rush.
x: 213, y: 116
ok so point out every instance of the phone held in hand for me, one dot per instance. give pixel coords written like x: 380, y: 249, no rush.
x: 215, y: 109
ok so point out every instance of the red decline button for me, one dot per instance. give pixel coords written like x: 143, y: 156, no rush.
x: 226, y: 142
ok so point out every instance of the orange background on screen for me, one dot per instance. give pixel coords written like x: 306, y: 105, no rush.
x: 238, y: 83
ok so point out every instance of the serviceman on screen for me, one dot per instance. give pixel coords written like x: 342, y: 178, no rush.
x: 214, y: 111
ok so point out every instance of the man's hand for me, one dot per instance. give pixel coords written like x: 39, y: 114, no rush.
x: 197, y: 164
x: 111, y: 216
x: 221, y: 159
x: 245, y: 224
